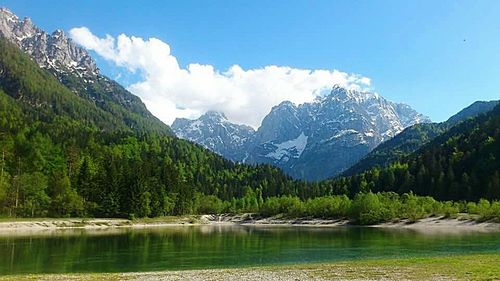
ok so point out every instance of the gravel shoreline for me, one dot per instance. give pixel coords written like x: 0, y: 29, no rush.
x: 433, y: 224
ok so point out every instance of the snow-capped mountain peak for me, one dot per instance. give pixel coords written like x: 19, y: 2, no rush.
x: 214, y: 116
x: 342, y: 94
x: 313, y: 140
x: 213, y: 131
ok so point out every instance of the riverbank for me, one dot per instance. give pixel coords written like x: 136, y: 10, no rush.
x: 432, y: 224
x: 463, y: 267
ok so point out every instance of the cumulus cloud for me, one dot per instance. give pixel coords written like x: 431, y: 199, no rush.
x: 245, y: 96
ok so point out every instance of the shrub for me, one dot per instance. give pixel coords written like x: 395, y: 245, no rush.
x: 328, y: 207
x: 367, y: 209
x: 286, y: 205
x: 209, y: 204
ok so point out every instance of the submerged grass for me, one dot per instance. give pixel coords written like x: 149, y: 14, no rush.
x: 462, y: 267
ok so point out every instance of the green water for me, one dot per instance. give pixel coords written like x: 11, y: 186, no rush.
x: 193, y: 247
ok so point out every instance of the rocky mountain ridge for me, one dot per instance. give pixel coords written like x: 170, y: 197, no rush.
x: 213, y: 131
x: 313, y: 140
x: 53, y: 51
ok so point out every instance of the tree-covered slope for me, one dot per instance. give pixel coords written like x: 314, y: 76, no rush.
x: 414, y: 137
x: 43, y: 97
x: 63, y: 155
x: 111, y: 97
x: 470, y: 111
x: 461, y: 164
x: 404, y: 143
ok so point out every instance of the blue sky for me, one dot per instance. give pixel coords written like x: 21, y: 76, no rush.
x: 437, y: 56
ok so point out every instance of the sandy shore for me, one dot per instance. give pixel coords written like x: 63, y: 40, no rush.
x: 433, y: 224
x: 440, y: 224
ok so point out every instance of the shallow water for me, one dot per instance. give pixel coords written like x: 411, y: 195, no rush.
x: 195, y: 247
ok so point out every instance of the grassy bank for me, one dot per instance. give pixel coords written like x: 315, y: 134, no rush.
x: 463, y: 267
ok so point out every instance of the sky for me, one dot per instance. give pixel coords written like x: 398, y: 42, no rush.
x: 242, y: 57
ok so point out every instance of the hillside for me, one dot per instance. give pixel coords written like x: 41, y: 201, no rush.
x: 461, y: 164
x: 414, y: 137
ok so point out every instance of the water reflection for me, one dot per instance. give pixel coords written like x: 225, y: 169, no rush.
x: 212, y: 246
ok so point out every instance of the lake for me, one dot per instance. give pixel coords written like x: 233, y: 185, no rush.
x: 196, y: 247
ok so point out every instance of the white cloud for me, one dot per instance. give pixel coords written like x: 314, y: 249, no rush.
x: 245, y: 96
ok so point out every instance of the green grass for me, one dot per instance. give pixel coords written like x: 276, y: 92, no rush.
x: 463, y: 267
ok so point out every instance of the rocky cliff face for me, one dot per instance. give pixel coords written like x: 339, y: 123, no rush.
x: 330, y: 134
x: 315, y: 140
x: 213, y: 131
x: 51, y: 51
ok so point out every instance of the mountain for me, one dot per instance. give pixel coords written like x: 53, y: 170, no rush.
x: 75, y: 69
x: 414, y: 137
x: 314, y: 140
x: 214, y: 132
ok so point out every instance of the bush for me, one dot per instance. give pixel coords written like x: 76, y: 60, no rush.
x: 285, y: 205
x: 328, y: 207
x: 372, y: 208
x: 412, y: 209
x: 367, y: 209
x: 209, y: 204
x: 450, y: 209
x: 485, y: 210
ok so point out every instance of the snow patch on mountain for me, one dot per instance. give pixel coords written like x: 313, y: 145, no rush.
x: 289, y: 149
x: 214, y: 132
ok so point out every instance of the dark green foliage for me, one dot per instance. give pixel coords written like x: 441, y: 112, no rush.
x: 44, y: 98
x: 209, y: 204
x: 113, y: 98
x: 372, y: 208
x: 403, y: 144
x: 413, y: 138
x: 461, y: 164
